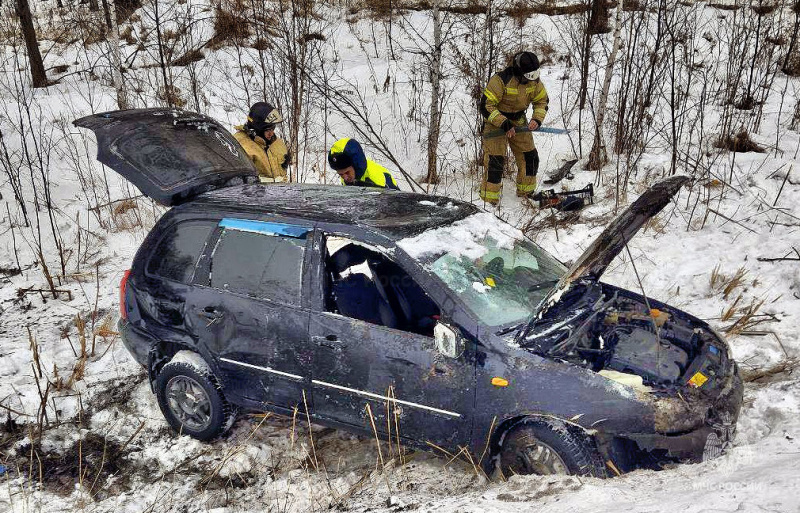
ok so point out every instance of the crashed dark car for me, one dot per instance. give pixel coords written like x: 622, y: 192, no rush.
x: 444, y: 324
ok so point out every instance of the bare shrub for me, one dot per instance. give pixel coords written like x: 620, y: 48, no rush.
x: 740, y: 142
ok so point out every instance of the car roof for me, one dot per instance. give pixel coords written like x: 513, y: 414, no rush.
x: 393, y: 214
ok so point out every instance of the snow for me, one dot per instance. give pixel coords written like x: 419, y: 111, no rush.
x: 462, y: 238
x: 264, y: 463
x: 191, y: 358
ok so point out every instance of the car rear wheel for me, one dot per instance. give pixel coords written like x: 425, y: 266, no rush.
x: 549, y: 447
x: 191, y: 400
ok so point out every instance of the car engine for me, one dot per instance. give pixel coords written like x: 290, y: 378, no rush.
x: 604, y: 330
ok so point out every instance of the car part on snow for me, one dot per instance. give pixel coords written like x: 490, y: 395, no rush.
x: 547, y: 447
x: 566, y: 201
x: 565, y: 171
x: 191, y: 400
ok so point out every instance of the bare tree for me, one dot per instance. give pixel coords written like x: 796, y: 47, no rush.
x: 435, y: 106
x: 598, y: 156
x: 116, y: 61
x: 38, y: 75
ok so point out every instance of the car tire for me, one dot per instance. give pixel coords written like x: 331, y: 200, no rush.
x: 549, y: 447
x: 192, y: 402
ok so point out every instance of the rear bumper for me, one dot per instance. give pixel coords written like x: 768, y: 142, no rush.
x: 136, y: 341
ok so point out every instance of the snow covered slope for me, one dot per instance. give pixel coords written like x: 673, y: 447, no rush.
x: 107, y: 447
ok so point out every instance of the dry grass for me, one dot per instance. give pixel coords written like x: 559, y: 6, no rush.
x: 125, y: 214
x: 785, y: 367
x: 740, y: 142
x: 229, y: 26
x: 171, y: 95
x: 748, y: 318
x: 721, y: 283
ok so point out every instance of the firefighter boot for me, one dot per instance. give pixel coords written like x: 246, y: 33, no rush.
x: 526, y: 176
x: 492, y: 184
x: 490, y: 192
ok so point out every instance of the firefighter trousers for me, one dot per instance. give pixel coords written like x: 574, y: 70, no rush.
x: 494, y: 160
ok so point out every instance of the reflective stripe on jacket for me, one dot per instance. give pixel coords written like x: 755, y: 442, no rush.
x: 376, y: 176
x: 505, y: 93
x: 368, y: 173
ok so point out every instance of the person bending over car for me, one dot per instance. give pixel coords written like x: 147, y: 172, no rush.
x: 347, y: 158
x: 267, y: 151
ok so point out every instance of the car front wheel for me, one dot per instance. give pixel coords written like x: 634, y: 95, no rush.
x: 549, y: 447
x: 191, y: 400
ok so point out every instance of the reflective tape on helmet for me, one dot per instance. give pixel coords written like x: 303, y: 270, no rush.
x: 532, y: 75
x: 338, y: 146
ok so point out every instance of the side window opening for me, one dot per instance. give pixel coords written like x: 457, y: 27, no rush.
x: 259, y: 265
x: 176, y: 255
x: 364, y: 284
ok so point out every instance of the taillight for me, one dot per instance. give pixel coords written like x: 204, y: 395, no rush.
x: 123, y: 312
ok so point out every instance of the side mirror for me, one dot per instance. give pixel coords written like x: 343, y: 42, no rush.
x: 448, y: 341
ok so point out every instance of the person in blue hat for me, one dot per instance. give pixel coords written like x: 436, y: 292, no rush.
x: 354, y: 168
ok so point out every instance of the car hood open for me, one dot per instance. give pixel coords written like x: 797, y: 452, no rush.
x: 594, y: 261
x: 171, y: 155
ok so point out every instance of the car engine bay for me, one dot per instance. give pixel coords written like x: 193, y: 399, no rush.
x: 603, y: 328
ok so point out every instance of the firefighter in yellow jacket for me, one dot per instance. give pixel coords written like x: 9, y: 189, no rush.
x: 348, y: 159
x: 504, y: 104
x: 267, y: 151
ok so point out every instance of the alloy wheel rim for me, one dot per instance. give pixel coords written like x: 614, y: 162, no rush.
x: 539, y: 458
x: 189, y: 403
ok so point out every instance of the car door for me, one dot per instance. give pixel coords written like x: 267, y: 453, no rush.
x: 248, y: 311
x: 169, y: 269
x: 398, y: 376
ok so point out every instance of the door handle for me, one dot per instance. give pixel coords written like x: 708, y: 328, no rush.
x: 210, y: 313
x: 329, y: 341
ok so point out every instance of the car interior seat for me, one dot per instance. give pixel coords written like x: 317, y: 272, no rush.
x: 417, y: 312
x: 356, y: 295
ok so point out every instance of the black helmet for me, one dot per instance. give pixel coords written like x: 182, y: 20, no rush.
x: 263, y: 116
x: 526, y: 65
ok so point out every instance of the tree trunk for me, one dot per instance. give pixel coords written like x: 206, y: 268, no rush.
x: 116, y: 60
x: 38, y: 75
x: 436, y: 115
x: 786, y: 68
x: 599, y: 17
x: 598, y: 156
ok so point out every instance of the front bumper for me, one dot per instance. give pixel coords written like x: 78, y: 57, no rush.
x: 711, y: 439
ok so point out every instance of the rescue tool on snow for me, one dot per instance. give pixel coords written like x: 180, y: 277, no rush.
x: 565, y: 201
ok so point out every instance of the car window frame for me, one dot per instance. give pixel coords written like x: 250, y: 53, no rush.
x: 317, y: 292
x: 202, y: 273
x: 162, y: 237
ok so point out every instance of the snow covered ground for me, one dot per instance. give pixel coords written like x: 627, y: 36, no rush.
x: 108, y: 447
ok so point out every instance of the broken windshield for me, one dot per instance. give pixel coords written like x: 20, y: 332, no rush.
x: 491, y: 267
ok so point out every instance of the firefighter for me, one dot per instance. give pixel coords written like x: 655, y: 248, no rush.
x: 348, y: 159
x: 267, y: 151
x: 504, y: 104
